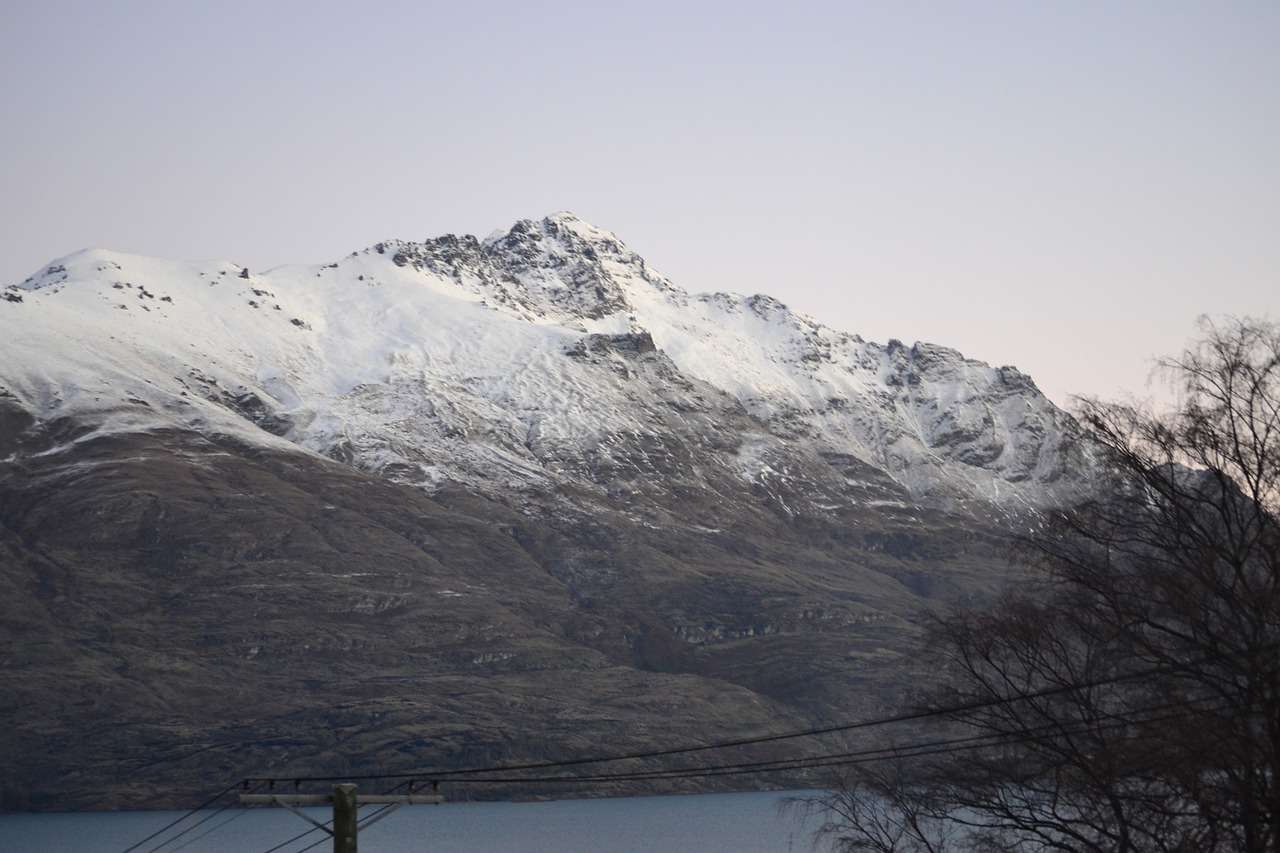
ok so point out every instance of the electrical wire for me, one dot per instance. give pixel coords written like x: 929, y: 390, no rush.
x: 322, y: 840
x: 1141, y: 716
x: 195, y: 825
x: 179, y: 820
x: 468, y: 775
x: 299, y: 837
x: 236, y: 815
x: 1134, y: 717
x: 910, y: 716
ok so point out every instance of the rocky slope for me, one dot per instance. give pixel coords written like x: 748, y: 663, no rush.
x: 451, y: 502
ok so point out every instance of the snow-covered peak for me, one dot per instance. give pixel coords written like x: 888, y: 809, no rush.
x: 560, y: 269
x: 560, y: 225
x: 515, y: 359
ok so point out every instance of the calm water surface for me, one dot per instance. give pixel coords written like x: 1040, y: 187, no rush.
x: 705, y: 823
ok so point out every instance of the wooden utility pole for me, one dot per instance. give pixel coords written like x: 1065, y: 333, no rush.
x: 346, y: 823
x: 345, y: 801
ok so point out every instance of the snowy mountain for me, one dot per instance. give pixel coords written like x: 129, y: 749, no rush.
x: 460, y: 501
x: 547, y: 353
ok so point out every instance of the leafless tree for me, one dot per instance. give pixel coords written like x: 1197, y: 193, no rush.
x: 1129, y: 699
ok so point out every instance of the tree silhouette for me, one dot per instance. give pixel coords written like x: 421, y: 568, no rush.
x: 1128, y: 698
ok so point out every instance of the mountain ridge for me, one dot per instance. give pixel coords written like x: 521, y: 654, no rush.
x: 924, y: 413
x: 460, y: 501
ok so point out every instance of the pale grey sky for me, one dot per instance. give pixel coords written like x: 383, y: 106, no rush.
x: 1061, y: 186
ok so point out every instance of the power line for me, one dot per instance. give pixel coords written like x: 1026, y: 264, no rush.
x: 193, y: 826
x: 1135, y: 717
x: 1140, y: 716
x: 468, y: 775
x: 236, y: 815
x: 179, y: 820
x: 910, y: 716
x: 323, y: 839
x: 298, y: 837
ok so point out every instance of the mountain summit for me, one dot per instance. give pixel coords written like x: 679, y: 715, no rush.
x: 547, y: 352
x: 448, y: 502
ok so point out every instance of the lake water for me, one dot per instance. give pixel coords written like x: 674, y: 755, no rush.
x: 703, y: 823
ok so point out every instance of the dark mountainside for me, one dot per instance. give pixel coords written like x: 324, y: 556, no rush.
x: 189, y: 601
